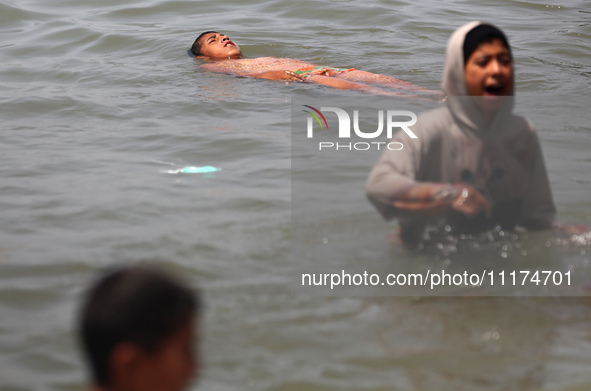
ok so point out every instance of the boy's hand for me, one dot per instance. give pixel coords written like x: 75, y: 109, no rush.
x: 276, y: 75
x: 289, y: 76
x: 326, y: 72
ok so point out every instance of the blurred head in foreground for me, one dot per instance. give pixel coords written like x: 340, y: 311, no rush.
x: 137, y: 329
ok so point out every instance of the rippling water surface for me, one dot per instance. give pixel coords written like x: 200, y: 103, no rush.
x: 96, y: 100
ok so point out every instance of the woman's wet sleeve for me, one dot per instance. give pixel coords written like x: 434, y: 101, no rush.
x: 539, y: 211
x: 395, y: 171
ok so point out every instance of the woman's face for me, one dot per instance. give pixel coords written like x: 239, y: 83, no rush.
x: 489, y: 70
x: 215, y: 45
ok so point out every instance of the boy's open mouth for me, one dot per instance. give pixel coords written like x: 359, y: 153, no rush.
x: 228, y: 43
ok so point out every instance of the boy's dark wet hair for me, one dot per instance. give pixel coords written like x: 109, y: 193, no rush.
x: 483, y: 33
x: 137, y: 305
x: 196, y: 48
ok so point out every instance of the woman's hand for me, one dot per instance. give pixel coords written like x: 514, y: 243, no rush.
x: 573, y: 229
x: 436, y: 199
x: 470, y: 202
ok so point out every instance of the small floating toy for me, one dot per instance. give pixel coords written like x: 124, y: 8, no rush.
x: 193, y: 170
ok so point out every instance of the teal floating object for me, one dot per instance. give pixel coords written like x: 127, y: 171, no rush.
x: 199, y: 170
x: 194, y: 170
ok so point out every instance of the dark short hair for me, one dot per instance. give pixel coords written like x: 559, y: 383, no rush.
x: 483, y: 33
x: 135, y: 304
x: 196, y: 48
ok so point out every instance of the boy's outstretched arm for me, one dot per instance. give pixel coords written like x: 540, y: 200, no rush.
x: 275, y: 75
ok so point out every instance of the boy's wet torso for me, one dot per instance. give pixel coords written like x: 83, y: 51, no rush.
x: 260, y: 64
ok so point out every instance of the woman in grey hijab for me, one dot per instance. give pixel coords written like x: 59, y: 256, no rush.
x: 475, y: 165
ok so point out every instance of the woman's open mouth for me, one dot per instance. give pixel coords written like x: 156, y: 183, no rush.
x: 494, y: 89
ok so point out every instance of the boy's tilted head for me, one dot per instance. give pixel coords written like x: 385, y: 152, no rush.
x: 196, y: 47
x: 214, y: 45
x: 137, y: 331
